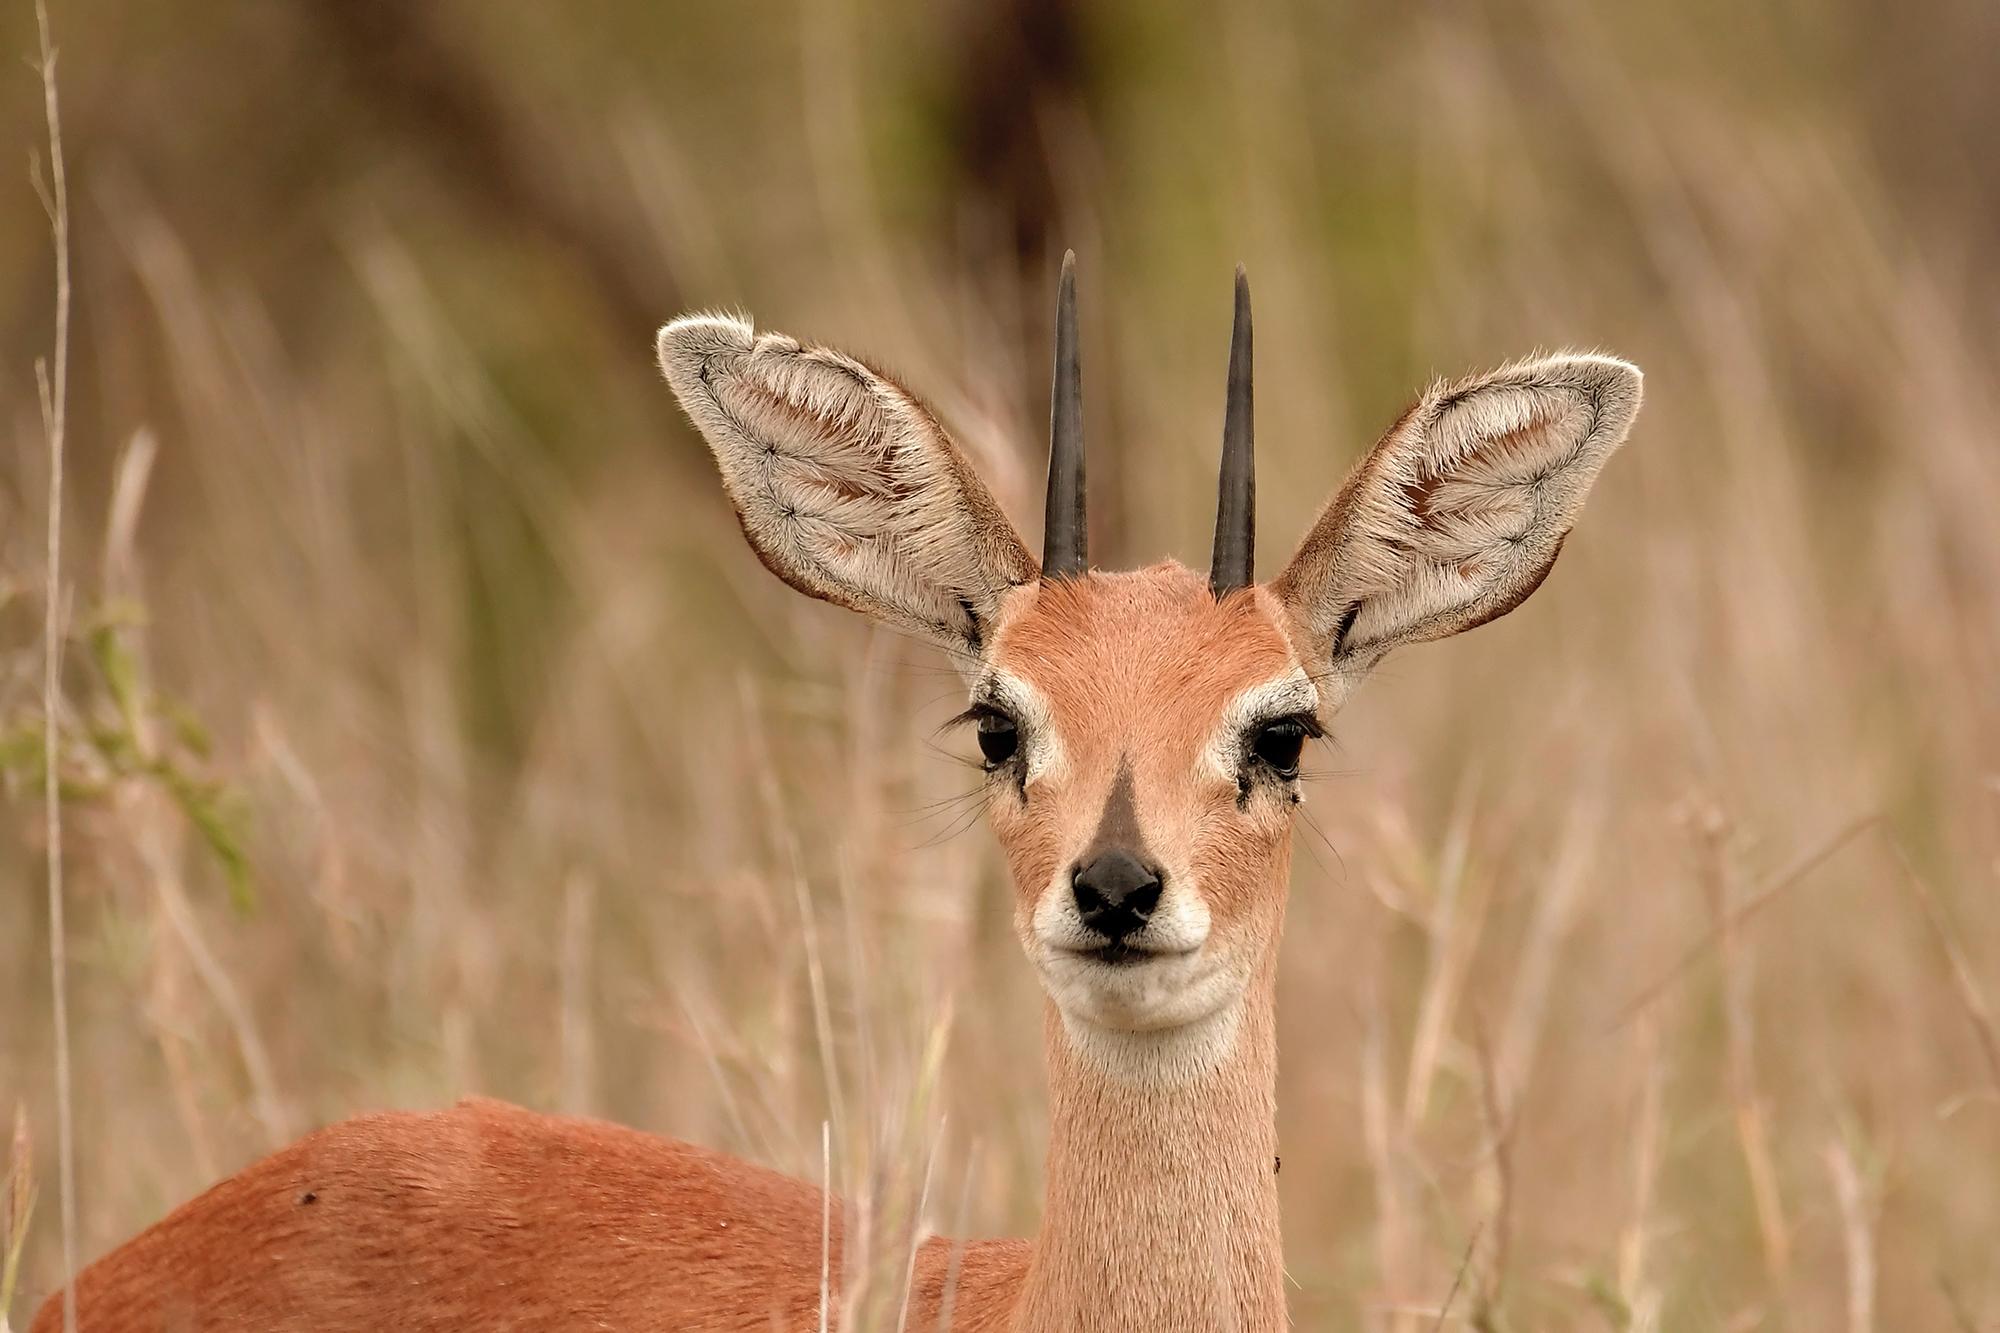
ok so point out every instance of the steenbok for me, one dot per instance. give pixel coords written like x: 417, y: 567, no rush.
x: 1141, y: 734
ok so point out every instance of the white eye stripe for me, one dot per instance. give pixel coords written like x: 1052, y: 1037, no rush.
x: 1041, y: 748
x: 1045, y: 755
x: 1289, y: 694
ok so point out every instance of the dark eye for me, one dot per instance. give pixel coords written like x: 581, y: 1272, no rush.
x: 1278, y: 744
x: 998, y: 738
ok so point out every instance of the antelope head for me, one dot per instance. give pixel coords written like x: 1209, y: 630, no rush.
x: 1141, y: 731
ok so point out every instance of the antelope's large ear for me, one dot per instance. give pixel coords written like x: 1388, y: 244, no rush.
x: 846, y: 486
x: 1459, y: 513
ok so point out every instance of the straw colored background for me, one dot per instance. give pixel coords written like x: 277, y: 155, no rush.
x: 430, y: 731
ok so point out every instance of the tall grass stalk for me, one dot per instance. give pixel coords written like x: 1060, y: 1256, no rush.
x: 52, y: 378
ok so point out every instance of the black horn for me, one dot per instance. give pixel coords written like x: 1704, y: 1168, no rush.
x: 1233, y: 565
x: 1065, y: 541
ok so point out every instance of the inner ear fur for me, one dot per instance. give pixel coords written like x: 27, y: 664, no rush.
x: 1459, y: 512
x: 845, y: 484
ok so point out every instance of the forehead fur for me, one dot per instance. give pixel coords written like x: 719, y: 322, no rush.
x: 1153, y: 636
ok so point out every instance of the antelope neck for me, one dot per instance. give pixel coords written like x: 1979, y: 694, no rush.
x: 1161, y: 1210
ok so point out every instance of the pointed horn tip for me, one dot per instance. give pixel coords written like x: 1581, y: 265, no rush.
x: 1069, y: 264
x: 1233, y: 565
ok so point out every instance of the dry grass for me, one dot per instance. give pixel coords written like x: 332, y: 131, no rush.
x: 404, y: 604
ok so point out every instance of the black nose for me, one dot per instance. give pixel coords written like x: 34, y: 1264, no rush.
x: 1115, y: 893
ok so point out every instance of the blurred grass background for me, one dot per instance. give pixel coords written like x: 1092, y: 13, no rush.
x: 429, y: 730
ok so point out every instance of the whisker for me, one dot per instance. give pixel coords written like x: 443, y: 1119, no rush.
x: 1325, y: 841
x: 954, y: 831
x: 917, y: 814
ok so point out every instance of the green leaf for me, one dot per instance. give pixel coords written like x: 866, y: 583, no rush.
x: 218, y: 815
x: 188, y: 728
x: 121, y: 673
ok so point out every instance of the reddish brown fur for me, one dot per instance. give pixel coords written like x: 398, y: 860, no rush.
x: 1139, y: 666
x: 1161, y: 1210
x: 487, y: 1216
